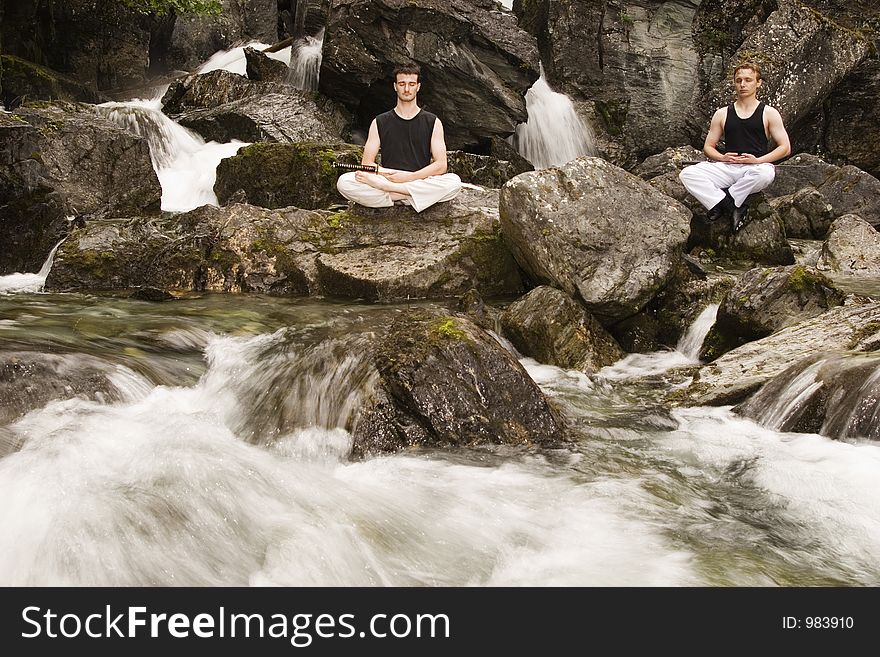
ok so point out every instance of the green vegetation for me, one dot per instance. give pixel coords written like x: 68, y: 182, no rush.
x: 162, y: 7
x: 446, y: 328
x: 801, y: 279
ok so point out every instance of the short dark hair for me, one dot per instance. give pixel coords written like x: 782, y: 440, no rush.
x: 410, y: 68
x: 749, y: 64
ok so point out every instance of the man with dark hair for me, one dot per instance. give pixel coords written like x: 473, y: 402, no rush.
x: 724, y: 184
x: 413, y: 170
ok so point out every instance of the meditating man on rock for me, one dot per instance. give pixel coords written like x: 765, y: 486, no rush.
x: 413, y: 168
x: 723, y: 185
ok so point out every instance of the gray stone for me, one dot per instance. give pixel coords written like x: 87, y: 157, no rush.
x: 484, y: 170
x: 212, y: 89
x: 852, y: 246
x: 806, y: 214
x: 552, y: 328
x: 262, y: 68
x: 672, y: 160
x: 595, y: 231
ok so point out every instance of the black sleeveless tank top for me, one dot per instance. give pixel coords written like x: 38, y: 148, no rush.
x: 745, y: 135
x: 405, y: 143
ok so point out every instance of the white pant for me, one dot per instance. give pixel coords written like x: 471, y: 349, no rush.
x: 706, y: 180
x: 424, y: 193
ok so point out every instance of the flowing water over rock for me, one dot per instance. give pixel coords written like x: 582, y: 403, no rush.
x: 222, y: 458
x: 554, y: 133
x: 305, y: 62
x: 234, y: 61
x: 23, y: 283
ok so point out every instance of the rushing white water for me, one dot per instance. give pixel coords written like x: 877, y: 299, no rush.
x: 185, y: 164
x: 305, y: 62
x: 234, y: 61
x: 686, y: 352
x: 554, y: 133
x: 29, y: 283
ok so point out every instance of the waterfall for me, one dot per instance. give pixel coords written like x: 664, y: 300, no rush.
x: 836, y: 395
x: 686, y: 352
x: 29, y: 283
x: 184, y: 163
x: 305, y: 62
x: 234, y: 61
x: 554, y: 133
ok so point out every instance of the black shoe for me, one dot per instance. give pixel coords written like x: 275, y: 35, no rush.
x: 740, y: 217
x: 724, y: 206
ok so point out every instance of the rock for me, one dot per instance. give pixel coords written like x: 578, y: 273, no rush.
x: 572, y: 228
x: 25, y: 81
x: 282, y: 175
x: 762, y: 240
x: 739, y: 373
x: 274, y: 117
x: 29, y: 380
x: 835, y: 395
x: 195, y: 38
x: 764, y: 301
x: 472, y: 307
x: 151, y: 294
x: 852, y: 246
x: 552, y: 328
x: 212, y: 89
x: 446, y: 382
x: 388, y: 254
x: 483, y: 169
x: 466, y: 48
x: 798, y: 172
x: 263, y: 68
x: 672, y: 160
x: 806, y: 214
x: 62, y: 159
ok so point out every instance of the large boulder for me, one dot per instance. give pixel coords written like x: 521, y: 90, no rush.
x: 764, y: 301
x: 61, y: 160
x: 212, y: 89
x: 383, y: 255
x: 595, y: 231
x: 852, y: 246
x: 446, y: 382
x: 835, y: 395
x: 281, y: 175
x: 262, y: 68
x: 276, y: 117
x: 485, y: 170
x: 466, y: 48
x: 552, y: 328
x: 670, y: 161
x: 806, y: 214
x: 739, y: 373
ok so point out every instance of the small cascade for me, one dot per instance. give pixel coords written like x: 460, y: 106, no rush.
x: 29, y: 283
x: 234, y: 61
x: 686, y: 352
x: 837, y: 396
x: 185, y: 164
x: 305, y: 62
x: 554, y: 133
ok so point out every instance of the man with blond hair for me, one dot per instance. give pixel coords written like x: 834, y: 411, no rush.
x: 723, y: 184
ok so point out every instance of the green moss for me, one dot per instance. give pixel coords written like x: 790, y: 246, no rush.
x: 613, y: 114
x: 866, y: 331
x: 801, y: 279
x: 445, y: 328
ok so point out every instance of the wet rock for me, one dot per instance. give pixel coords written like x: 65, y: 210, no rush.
x: 282, y: 175
x: 151, y: 294
x: 483, y: 169
x: 62, y: 159
x: 466, y: 48
x: 212, y: 89
x: 471, y: 305
x: 739, y: 373
x: 595, y: 231
x: 275, y: 117
x: 835, y: 395
x: 25, y: 81
x: 263, y: 68
x: 552, y: 328
x: 30, y: 380
x: 445, y: 382
x: 764, y: 301
x: 806, y: 214
x: 852, y: 246
x: 383, y: 255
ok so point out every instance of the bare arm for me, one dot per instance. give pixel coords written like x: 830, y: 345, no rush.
x: 371, y: 148
x: 777, y: 132
x: 716, y: 131
x: 435, y: 168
